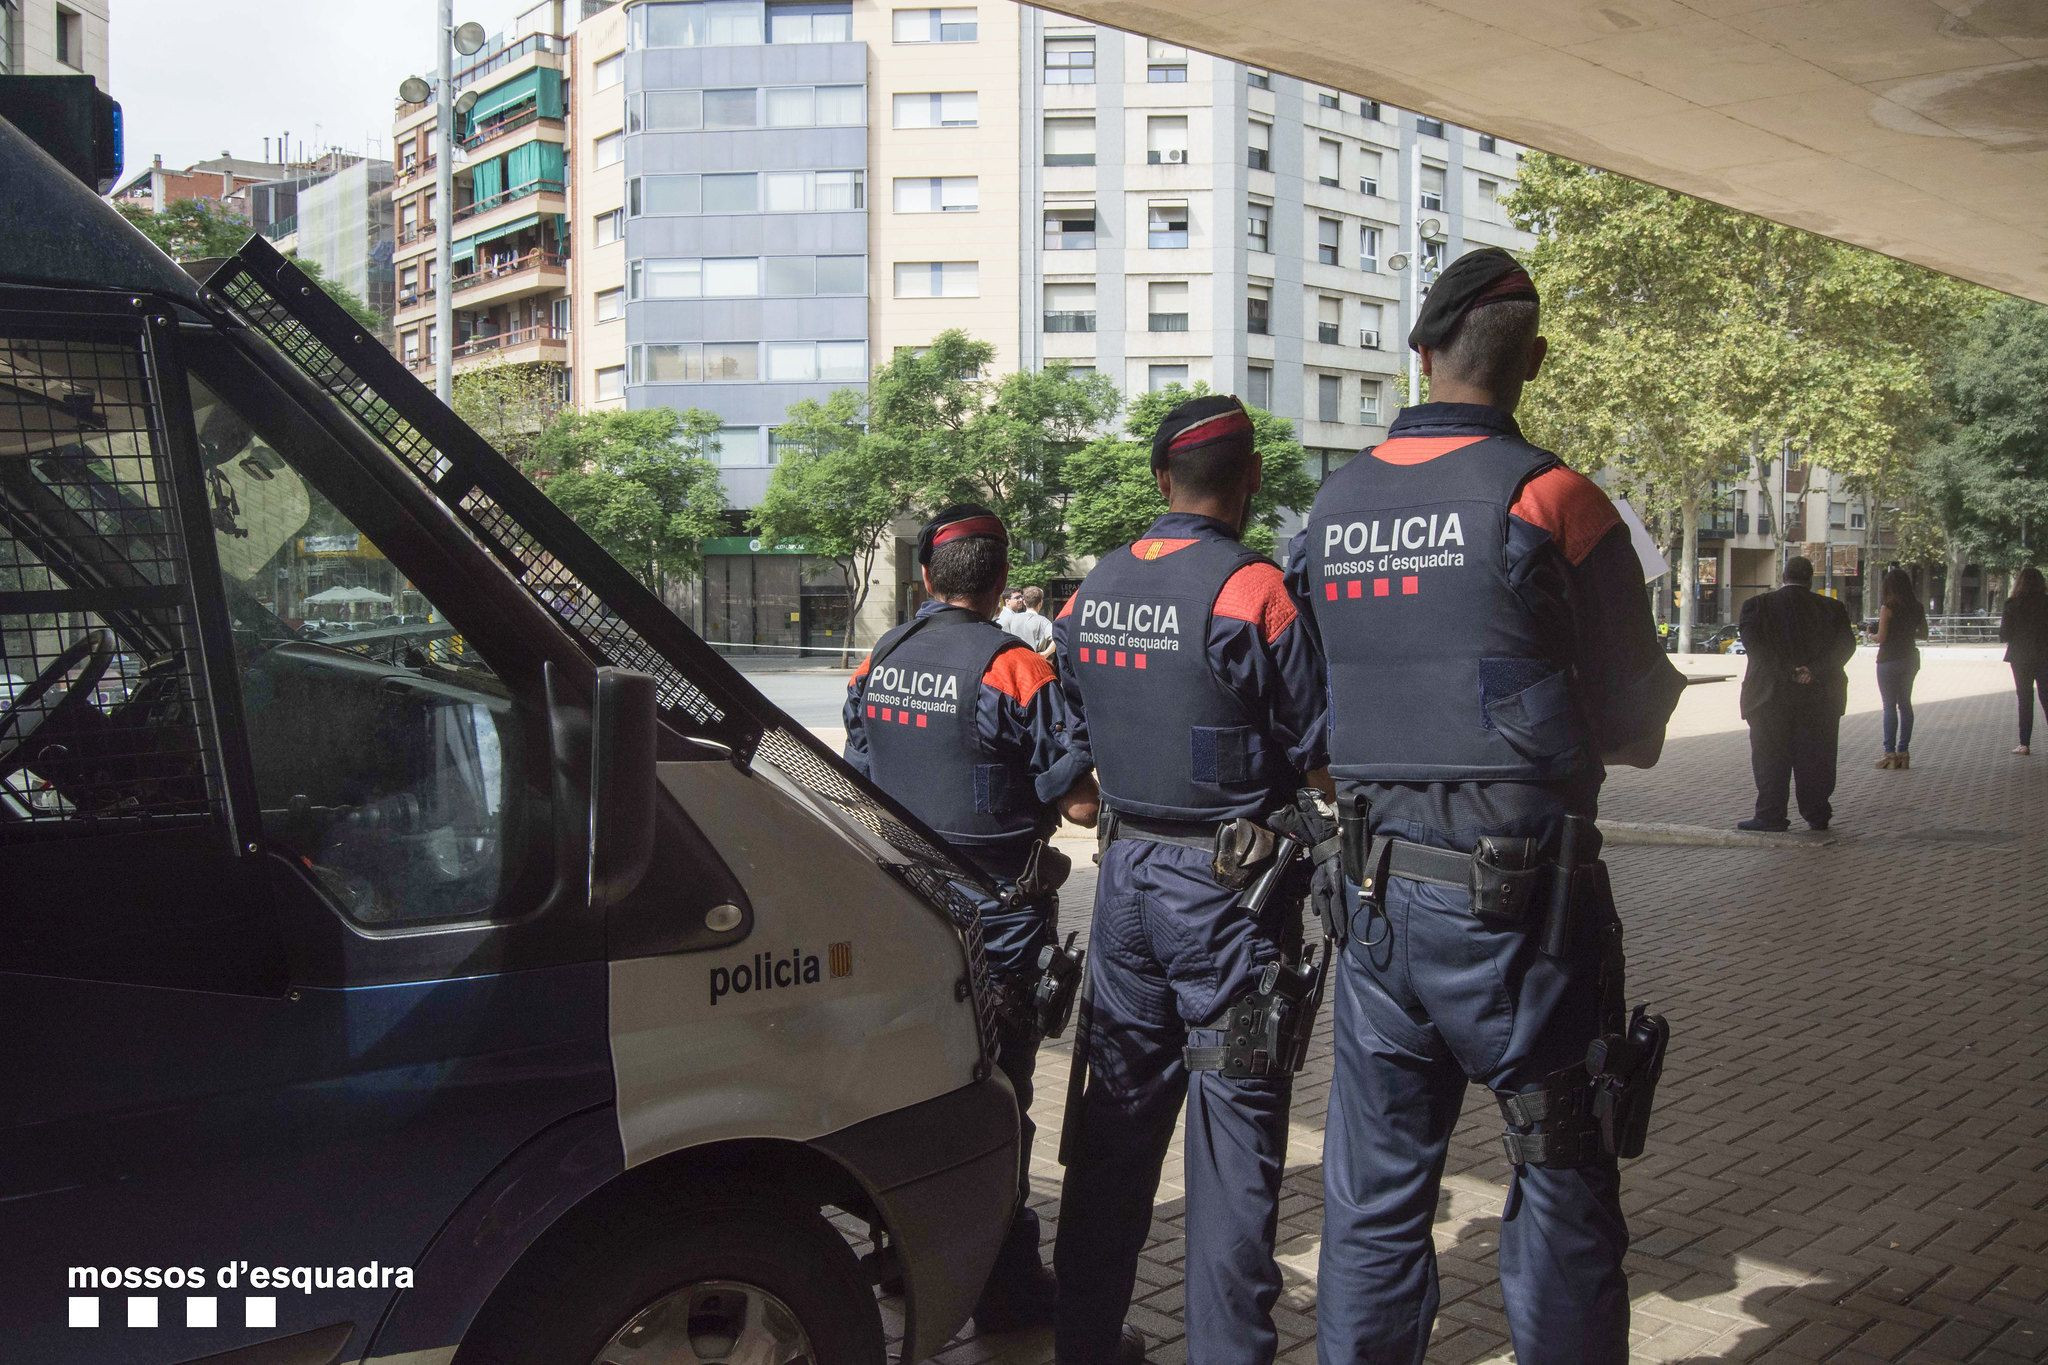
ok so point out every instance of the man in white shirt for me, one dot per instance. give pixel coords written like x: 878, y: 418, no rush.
x: 1029, y: 625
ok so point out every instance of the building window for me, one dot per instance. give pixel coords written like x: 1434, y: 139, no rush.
x: 1368, y: 171
x: 1166, y: 139
x: 1166, y: 224
x: 611, y: 305
x: 1369, y: 249
x: 731, y: 193
x: 1070, y: 60
x: 609, y: 71
x: 1258, y: 386
x: 1165, y: 64
x: 1159, y: 377
x: 935, y: 26
x: 1327, y: 230
x: 608, y: 150
x: 1369, y: 326
x: 1428, y: 127
x: 1258, y: 309
x: 823, y: 106
x: 938, y: 279
x: 947, y: 109
x: 738, y: 448
x: 1329, y: 157
x: 950, y: 194
x: 1433, y: 187
x: 1432, y: 257
x: 1370, y: 109
x: 1258, y: 145
x: 666, y: 111
x: 610, y: 227
x: 814, y: 362
x: 1325, y: 100
x: 70, y: 38
x: 732, y: 277
x: 738, y: 277
x: 1070, y: 142
x: 1856, y: 519
x: 1487, y: 144
x: 747, y: 192
x: 1070, y: 306
x: 611, y: 382
x: 1258, y: 227
x: 840, y: 106
x: 1369, y: 401
x: 1166, y: 306
x: 1329, y: 320
x: 718, y: 23
x: 810, y: 21
x: 727, y: 110
x: 1258, y: 79
x: 1489, y: 191
x: 1329, y: 397
x: 1070, y: 227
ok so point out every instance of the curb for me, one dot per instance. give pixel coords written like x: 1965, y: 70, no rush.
x: 1646, y: 833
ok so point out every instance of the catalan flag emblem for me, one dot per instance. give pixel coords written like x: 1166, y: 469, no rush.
x: 840, y: 956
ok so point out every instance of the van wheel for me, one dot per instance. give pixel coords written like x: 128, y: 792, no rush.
x: 767, y: 1282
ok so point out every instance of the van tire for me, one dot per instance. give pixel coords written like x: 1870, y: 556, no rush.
x: 562, y: 1306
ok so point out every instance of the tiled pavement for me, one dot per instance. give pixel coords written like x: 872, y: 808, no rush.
x: 1849, y: 1160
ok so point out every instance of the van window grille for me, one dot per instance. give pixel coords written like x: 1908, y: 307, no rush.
x: 90, y: 549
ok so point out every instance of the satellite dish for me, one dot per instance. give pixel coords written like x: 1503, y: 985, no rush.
x: 469, y: 38
x: 413, y: 90
x: 1398, y: 262
x: 1431, y: 230
x: 465, y: 101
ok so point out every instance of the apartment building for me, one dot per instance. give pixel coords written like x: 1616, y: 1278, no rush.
x: 53, y: 38
x: 769, y: 198
x: 510, y: 215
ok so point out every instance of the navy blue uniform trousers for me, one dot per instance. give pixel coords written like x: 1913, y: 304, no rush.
x: 1428, y: 997
x: 1011, y: 941
x: 1168, y: 952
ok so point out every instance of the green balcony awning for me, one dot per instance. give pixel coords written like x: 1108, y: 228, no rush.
x: 502, y: 230
x: 542, y: 86
x: 463, y: 251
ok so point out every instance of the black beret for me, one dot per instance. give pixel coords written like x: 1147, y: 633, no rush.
x: 1202, y: 422
x: 1475, y: 279
x: 961, y: 521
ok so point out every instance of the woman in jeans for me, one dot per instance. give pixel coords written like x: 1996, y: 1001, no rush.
x: 1901, y: 625
x: 2024, y: 628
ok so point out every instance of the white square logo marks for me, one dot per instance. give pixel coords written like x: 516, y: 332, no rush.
x: 85, y: 1312
x: 142, y: 1312
x: 259, y: 1311
x: 202, y: 1311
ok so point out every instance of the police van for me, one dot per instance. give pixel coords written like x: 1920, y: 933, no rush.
x: 501, y: 979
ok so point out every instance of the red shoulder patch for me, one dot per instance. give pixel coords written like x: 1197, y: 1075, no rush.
x: 861, y: 672
x: 1571, y: 507
x: 1066, y: 608
x: 1158, y: 547
x: 1018, y: 674
x: 1258, y: 593
x: 1420, y: 449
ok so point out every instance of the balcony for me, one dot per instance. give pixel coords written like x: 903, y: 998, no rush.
x: 515, y: 346
x: 530, y: 272
x: 410, y: 299
x: 407, y: 174
x: 415, y: 235
x: 504, y: 198
x: 1070, y: 320
x: 504, y: 128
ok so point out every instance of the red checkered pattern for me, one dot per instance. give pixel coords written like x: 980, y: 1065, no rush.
x: 1115, y: 658
x: 1381, y: 587
x: 899, y: 716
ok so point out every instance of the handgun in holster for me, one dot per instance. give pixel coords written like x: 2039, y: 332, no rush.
x: 1625, y: 1068
x: 1266, y: 1031
x: 1059, y: 982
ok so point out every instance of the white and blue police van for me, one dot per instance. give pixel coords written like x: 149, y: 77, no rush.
x: 498, y: 979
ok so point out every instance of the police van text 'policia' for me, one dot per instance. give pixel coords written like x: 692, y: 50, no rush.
x: 765, y: 972
x: 1384, y: 537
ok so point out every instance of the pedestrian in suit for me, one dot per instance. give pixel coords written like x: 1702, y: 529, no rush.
x: 1793, y: 695
x: 2024, y: 628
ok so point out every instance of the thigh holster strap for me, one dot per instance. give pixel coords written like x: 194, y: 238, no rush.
x: 1553, y: 1125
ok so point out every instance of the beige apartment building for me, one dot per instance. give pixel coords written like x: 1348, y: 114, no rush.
x: 743, y: 203
x: 54, y: 38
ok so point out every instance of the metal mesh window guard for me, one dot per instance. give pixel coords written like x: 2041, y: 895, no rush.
x: 92, y: 562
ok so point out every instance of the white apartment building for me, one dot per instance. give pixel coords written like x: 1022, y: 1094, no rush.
x: 54, y: 38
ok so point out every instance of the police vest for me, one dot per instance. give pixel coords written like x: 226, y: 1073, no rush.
x: 1170, y: 741
x: 1439, y: 670
x: 918, y: 704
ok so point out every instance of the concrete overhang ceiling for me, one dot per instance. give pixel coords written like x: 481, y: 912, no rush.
x: 1918, y: 128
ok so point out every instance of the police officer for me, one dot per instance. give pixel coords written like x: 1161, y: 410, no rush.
x: 965, y: 725
x: 1490, y: 647
x: 1198, y: 692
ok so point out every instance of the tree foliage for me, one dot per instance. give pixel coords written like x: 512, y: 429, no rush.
x: 1115, y: 496
x: 1688, y: 339
x: 643, y: 484
x: 196, y: 229
x: 510, y: 406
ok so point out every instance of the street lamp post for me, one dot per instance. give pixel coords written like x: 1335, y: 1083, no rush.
x: 1410, y: 262
x: 444, y: 197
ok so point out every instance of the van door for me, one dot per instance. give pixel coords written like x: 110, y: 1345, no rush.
x: 260, y: 901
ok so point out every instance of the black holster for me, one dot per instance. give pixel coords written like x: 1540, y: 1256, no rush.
x: 1059, y: 981
x: 1266, y: 1030
x: 1625, y: 1068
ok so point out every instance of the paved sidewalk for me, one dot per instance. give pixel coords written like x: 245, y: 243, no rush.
x: 1849, y: 1160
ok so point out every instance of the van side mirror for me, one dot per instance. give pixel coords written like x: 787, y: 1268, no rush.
x: 623, y: 738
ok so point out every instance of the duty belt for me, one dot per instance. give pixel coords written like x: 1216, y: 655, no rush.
x: 1186, y: 833
x: 1510, y: 884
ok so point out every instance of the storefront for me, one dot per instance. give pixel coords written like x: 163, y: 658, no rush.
x: 771, y: 599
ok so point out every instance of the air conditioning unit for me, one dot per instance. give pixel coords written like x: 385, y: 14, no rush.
x: 1369, y: 338
x: 1176, y: 156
